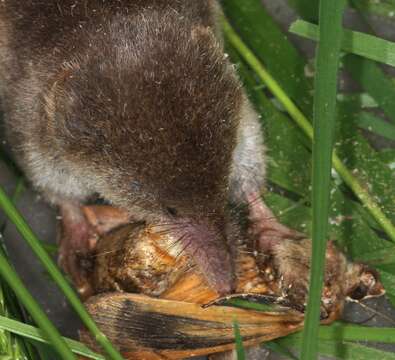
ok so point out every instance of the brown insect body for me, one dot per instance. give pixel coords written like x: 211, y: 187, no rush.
x: 140, y: 258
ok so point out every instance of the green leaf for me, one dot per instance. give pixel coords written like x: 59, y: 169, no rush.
x: 275, y: 346
x: 327, y: 62
x: 353, y: 351
x: 308, y: 9
x: 378, y: 257
x: 239, y: 341
x: 345, y: 350
x: 337, y: 340
x: 387, y: 156
x: 289, y: 166
x: 355, y: 42
x: 357, y: 100
x: 250, y: 305
x: 272, y: 47
x: 39, y: 316
x: 365, y: 163
x: 388, y: 280
x: 374, y: 81
x: 28, y: 235
x: 374, y: 124
x: 340, y: 331
x: 36, y: 334
x: 374, y: 7
x: 362, y: 193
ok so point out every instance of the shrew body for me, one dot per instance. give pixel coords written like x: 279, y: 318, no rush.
x: 134, y: 101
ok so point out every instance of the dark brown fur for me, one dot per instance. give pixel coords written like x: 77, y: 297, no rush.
x: 133, y: 100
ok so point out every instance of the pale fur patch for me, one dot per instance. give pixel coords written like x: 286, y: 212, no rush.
x: 248, y: 169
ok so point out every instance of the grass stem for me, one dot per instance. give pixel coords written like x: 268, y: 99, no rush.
x: 301, y: 120
x: 327, y: 63
x: 13, y: 280
x: 32, y: 240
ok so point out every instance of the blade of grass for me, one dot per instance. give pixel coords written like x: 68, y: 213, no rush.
x: 344, y: 350
x: 11, y: 306
x: 244, y: 304
x: 26, y: 232
x: 335, y: 341
x: 374, y: 81
x: 375, y: 8
x: 308, y: 9
x: 289, y: 166
x: 349, y: 332
x: 357, y: 154
x: 327, y: 62
x: 13, y: 280
x: 350, y: 222
x: 273, y: 48
x: 357, y: 100
x: 10, y: 344
x: 239, y: 341
x: 376, y: 125
x: 355, y: 42
x: 367, y: 73
x: 388, y: 157
x: 353, y: 351
x: 378, y: 257
x: 33, y: 333
x: 305, y: 125
x: 275, y: 346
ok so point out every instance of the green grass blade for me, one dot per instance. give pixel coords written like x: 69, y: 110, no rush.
x: 376, y: 125
x: 327, y: 62
x: 11, y: 306
x: 348, y: 332
x: 271, y: 46
x: 26, y: 232
x: 13, y: 280
x: 11, y: 345
x: 355, y: 42
x: 290, y: 167
x: 275, y: 346
x: 305, y: 125
x: 307, y: 9
x: 374, y: 81
x: 374, y: 7
x: 353, y: 351
x: 239, y: 341
x: 379, y: 257
x: 345, y: 350
x: 244, y: 304
x: 387, y: 156
x: 36, y: 334
x: 357, y: 100
x: 337, y: 339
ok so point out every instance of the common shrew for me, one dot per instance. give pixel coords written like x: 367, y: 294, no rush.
x: 134, y: 101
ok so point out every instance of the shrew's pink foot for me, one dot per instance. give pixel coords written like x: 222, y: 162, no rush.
x: 77, y: 240
x: 80, y: 229
x: 264, y: 228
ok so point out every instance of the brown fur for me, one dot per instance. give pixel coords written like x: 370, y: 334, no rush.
x: 135, y: 101
x: 178, y: 130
